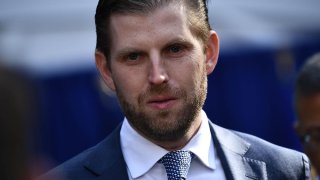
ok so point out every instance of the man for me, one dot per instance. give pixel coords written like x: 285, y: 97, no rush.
x: 307, y: 104
x: 156, y: 55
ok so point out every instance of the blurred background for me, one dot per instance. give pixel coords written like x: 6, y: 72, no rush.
x: 50, y: 44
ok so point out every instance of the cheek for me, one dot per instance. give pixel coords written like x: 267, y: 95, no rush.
x: 199, y: 71
x: 128, y: 85
x: 191, y: 78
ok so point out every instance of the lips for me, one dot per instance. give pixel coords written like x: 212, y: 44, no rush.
x: 162, y: 103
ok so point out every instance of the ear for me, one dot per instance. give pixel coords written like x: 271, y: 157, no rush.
x: 105, y: 73
x: 212, y: 52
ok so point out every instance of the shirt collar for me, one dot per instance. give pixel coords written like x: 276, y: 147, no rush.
x: 141, y: 155
x: 202, y: 145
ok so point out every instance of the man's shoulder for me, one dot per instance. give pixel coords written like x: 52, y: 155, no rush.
x: 280, y: 159
x: 264, y: 147
x: 89, y: 163
x: 278, y: 162
x: 72, y: 167
x: 258, y: 146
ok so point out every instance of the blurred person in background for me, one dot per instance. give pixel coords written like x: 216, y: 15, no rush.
x: 307, y: 106
x: 17, y: 123
x: 15, y: 113
x: 156, y: 55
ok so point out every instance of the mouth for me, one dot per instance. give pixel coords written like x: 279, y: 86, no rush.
x: 162, y: 103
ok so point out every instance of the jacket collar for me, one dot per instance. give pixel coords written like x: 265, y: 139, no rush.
x: 232, y: 151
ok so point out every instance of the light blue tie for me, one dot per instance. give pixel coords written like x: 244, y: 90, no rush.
x: 177, y: 164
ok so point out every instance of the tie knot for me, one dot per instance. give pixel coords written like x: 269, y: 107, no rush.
x: 177, y: 164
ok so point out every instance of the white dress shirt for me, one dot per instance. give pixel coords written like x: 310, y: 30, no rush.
x: 141, y: 155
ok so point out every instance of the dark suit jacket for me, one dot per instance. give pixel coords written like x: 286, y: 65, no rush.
x: 242, y: 157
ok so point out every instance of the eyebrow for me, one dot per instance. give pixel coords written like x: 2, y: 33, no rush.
x: 127, y: 50
x: 178, y: 41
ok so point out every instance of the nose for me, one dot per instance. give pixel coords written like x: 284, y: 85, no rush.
x: 157, y: 72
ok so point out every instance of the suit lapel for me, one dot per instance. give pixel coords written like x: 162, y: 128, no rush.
x: 232, y: 150
x: 107, y: 161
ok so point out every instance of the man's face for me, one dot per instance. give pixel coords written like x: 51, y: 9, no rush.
x: 308, y: 109
x: 158, y: 69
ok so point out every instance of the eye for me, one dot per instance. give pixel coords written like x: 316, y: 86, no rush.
x: 133, y: 56
x: 176, y: 48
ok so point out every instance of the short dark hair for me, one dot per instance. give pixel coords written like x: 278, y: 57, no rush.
x: 308, y: 79
x: 197, y: 16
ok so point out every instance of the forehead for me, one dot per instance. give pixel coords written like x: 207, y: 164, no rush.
x: 166, y: 20
x: 160, y: 13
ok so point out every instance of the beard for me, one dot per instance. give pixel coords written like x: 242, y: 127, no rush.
x: 165, y: 125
